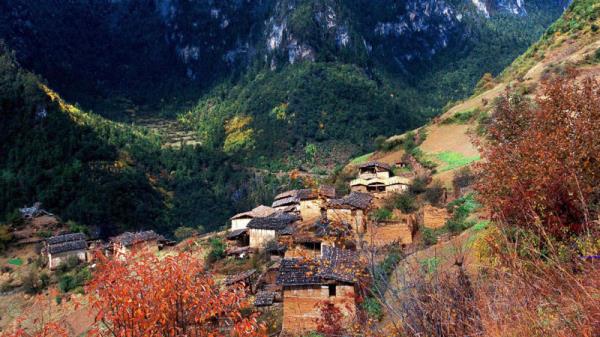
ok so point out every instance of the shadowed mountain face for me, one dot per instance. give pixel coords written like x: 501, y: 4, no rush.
x: 259, y: 83
x: 138, y: 49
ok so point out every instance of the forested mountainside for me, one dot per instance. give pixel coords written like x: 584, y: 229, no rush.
x: 282, y: 66
x: 103, y: 174
x: 270, y: 76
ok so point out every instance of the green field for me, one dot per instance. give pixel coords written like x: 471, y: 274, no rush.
x: 453, y: 160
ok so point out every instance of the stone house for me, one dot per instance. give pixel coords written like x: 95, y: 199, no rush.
x: 62, y: 247
x: 267, y: 230
x: 305, y: 202
x: 351, y: 209
x: 309, y: 283
x: 239, y: 224
x: 127, y: 242
x: 376, y: 177
x: 241, y: 220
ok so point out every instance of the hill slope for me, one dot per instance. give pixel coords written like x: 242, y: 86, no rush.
x: 103, y: 174
x: 572, y: 42
x: 400, y: 62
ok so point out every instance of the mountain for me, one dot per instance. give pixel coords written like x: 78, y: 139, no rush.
x: 449, y: 142
x: 272, y: 80
x: 107, y: 175
x: 128, y: 58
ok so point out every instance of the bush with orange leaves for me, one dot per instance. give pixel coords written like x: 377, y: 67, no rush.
x: 541, y: 167
x: 48, y: 330
x: 173, y: 296
x: 538, y: 267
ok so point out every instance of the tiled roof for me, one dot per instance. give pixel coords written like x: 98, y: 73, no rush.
x: 257, y: 212
x: 236, y: 233
x: 232, y: 279
x: 67, y: 246
x: 298, y: 272
x: 327, y: 191
x: 294, y: 196
x: 334, y: 265
x: 277, y: 222
x: 353, y: 200
x: 128, y: 238
x: 264, y: 299
x: 65, y: 238
x: 286, y: 194
x: 376, y: 164
x: 285, y: 201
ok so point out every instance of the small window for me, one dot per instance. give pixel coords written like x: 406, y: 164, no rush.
x: 332, y: 291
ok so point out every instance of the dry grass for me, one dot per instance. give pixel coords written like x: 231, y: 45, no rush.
x: 520, y: 290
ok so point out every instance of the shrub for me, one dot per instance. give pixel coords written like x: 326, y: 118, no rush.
x: 66, y: 283
x: 75, y: 227
x: 435, y: 192
x: 409, y: 142
x: 406, y: 202
x: 44, y: 233
x: 373, y: 308
x: 72, y: 262
x: 429, y: 265
x: 6, y: 286
x: 382, y: 214
x: 217, y: 250
x: 31, y: 282
x: 461, y: 117
x: 380, y: 142
x: 464, y: 177
x: 540, y: 169
x: 419, y: 185
x: 429, y: 236
x: 5, y: 237
x: 182, y: 233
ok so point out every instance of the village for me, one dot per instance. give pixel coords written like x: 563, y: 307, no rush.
x: 314, y: 245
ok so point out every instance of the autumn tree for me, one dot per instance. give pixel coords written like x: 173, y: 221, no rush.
x: 331, y: 321
x: 147, y: 296
x: 540, y: 169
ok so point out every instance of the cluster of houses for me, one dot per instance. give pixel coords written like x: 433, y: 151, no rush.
x: 60, y: 249
x: 314, y: 238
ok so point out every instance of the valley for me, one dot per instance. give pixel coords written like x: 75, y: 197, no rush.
x: 300, y: 168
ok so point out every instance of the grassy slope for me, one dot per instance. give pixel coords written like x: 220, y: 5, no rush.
x: 577, y: 47
x: 574, y: 40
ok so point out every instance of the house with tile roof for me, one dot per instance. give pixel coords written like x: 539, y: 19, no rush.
x: 263, y: 231
x: 375, y: 177
x: 61, y: 248
x: 351, y: 209
x: 307, y: 203
x: 307, y: 283
x: 127, y: 242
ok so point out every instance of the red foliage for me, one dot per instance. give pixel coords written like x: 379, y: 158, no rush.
x: 540, y: 167
x: 147, y: 296
x: 331, y: 322
x: 48, y: 330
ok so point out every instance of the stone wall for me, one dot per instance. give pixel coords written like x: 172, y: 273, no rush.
x: 310, y: 209
x: 55, y: 260
x: 434, y: 217
x: 389, y: 232
x: 300, y: 306
x: 239, y: 223
x: 355, y: 218
x: 260, y: 237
